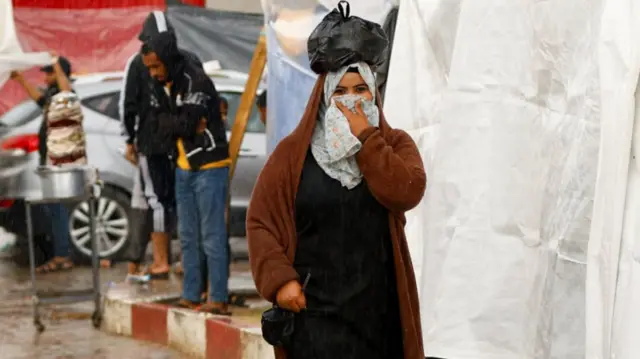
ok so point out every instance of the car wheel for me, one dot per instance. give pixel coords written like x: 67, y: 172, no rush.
x: 112, y: 224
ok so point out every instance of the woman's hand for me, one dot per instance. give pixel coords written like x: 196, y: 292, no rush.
x: 291, y: 297
x: 358, y: 121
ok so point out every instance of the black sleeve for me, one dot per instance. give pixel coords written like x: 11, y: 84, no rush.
x: 45, y: 94
x: 41, y: 101
x: 215, y: 115
x: 195, y: 106
x: 130, y: 104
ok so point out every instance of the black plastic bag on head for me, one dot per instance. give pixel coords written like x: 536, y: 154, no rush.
x: 341, y: 39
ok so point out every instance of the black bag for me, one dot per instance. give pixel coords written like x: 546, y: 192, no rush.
x: 341, y: 40
x: 278, y: 324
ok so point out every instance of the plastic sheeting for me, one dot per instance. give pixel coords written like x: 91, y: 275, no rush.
x: 613, y: 278
x: 503, y: 98
x: 228, y: 37
x: 288, y: 26
x: 11, y: 55
x: 94, y: 40
x: 102, y: 40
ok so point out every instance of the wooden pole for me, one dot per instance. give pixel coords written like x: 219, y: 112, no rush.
x: 247, y: 102
x: 242, y: 117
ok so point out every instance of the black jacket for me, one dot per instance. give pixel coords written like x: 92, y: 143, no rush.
x: 193, y: 98
x: 139, y: 126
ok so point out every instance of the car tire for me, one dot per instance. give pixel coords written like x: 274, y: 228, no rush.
x: 113, y: 216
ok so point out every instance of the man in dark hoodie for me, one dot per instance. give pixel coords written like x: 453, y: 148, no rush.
x: 188, y: 109
x: 154, y: 181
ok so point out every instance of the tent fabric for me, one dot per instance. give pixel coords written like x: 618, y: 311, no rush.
x: 228, y: 37
x: 98, y: 4
x: 102, y: 40
x: 389, y: 27
x: 94, y: 40
x: 11, y: 55
x: 504, y: 99
x: 613, y: 276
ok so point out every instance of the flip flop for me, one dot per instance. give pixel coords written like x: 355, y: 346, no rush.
x: 211, y: 309
x: 187, y: 304
x: 159, y: 276
x: 238, y: 301
x: 53, y: 266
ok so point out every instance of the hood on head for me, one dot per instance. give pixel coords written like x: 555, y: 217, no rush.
x: 165, y: 45
x: 158, y: 33
x: 155, y: 23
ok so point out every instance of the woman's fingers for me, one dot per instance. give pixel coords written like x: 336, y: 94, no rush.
x: 301, y: 301
x: 345, y: 111
x: 359, y: 109
x: 293, y: 306
x: 289, y: 304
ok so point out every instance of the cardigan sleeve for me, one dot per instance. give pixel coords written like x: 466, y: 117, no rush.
x: 393, y: 169
x: 267, y: 220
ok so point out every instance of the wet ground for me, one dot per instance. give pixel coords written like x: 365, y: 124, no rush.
x: 69, y: 333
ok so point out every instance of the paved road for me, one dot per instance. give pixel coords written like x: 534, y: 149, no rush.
x: 69, y: 334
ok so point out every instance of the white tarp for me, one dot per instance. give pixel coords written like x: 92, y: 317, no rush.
x: 11, y: 55
x: 503, y: 98
x: 613, y: 278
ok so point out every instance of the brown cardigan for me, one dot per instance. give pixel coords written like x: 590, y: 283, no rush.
x: 393, y: 171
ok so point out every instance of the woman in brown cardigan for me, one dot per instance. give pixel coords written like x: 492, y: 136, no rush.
x: 329, y: 205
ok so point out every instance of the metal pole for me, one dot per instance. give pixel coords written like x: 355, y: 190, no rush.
x: 32, y: 269
x: 95, y: 254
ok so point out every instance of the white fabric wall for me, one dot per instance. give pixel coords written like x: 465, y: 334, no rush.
x: 504, y: 99
x: 613, y: 279
x: 11, y: 55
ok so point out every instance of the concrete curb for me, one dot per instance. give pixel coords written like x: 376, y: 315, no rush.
x: 198, y: 335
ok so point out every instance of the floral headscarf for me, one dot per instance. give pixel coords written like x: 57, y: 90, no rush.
x: 332, y: 144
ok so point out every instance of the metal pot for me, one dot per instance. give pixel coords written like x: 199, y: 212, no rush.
x: 66, y: 182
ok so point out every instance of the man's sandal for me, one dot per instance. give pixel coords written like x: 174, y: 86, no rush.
x: 187, y: 304
x: 214, y: 309
x: 238, y: 301
x: 54, y: 265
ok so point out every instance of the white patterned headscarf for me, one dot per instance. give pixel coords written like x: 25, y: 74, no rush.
x: 333, y: 145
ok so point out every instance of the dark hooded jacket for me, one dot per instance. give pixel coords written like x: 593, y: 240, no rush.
x: 193, y: 98
x: 139, y: 126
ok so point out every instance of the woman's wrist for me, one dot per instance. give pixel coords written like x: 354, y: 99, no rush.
x: 364, y: 134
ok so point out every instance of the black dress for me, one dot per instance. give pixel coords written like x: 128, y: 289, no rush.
x: 344, y: 244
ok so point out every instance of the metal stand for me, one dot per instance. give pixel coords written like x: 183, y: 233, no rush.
x: 67, y: 296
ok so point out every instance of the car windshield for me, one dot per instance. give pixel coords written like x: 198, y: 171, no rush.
x: 20, y: 114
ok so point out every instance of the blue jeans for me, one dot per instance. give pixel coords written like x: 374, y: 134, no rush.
x: 201, y: 198
x: 58, y: 216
